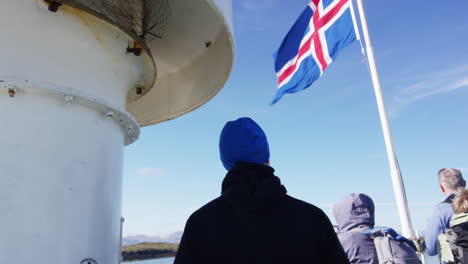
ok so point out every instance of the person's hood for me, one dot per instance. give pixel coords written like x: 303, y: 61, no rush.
x: 459, y: 219
x: 354, y: 210
x: 250, y: 187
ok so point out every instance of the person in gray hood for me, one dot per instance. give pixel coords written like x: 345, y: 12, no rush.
x: 354, y: 214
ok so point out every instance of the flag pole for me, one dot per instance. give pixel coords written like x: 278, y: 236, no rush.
x: 397, y: 180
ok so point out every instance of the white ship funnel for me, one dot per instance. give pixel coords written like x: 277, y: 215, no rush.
x: 193, y: 58
x: 77, y: 80
x: 190, y: 42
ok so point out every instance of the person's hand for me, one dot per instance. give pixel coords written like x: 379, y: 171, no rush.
x: 419, y: 242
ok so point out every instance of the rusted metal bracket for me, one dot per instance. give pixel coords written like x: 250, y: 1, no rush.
x: 135, y: 48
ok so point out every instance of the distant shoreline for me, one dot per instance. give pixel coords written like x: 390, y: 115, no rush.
x: 145, y: 251
x: 158, y: 257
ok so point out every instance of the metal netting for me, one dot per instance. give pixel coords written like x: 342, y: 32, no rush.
x: 147, y: 19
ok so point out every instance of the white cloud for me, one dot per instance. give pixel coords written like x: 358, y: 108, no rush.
x: 150, y: 171
x: 432, y: 84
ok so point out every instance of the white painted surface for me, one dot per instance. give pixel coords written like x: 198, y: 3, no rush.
x: 61, y: 182
x: 68, y: 48
x: 61, y: 163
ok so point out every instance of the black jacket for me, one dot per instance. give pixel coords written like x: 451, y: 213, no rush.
x: 254, y: 221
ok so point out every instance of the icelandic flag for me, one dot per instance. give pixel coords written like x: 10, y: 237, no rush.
x: 323, y: 29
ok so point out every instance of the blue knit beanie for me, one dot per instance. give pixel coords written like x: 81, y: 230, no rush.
x: 243, y: 140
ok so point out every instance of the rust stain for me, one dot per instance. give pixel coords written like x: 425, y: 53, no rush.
x: 11, y: 92
x: 87, y: 19
x: 95, y: 25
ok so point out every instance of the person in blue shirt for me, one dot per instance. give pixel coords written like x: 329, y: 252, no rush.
x: 450, y: 181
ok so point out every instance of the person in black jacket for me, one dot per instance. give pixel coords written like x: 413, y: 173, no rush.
x: 254, y: 220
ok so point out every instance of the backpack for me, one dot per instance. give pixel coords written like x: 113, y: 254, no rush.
x: 391, y: 247
x: 450, y: 253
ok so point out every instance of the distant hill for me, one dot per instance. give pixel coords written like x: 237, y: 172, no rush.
x: 133, y: 240
x: 174, y: 237
x: 149, y: 251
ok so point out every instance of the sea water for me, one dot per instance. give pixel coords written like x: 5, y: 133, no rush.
x: 429, y: 260
x: 153, y: 261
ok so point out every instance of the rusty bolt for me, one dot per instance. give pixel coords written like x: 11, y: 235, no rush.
x: 110, y: 113
x: 135, y: 51
x: 53, y: 5
x: 11, y: 92
x: 139, y: 90
x: 69, y: 99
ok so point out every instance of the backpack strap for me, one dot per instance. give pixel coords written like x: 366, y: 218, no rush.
x: 382, y: 231
x: 359, y: 229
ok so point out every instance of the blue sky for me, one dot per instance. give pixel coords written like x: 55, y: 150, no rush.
x: 326, y: 141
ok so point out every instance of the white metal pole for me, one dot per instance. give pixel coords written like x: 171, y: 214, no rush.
x: 353, y: 16
x: 122, y: 220
x: 397, y: 180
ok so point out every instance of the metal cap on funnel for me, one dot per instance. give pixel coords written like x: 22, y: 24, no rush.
x: 190, y: 42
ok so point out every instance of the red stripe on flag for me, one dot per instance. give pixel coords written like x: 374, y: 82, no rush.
x: 304, y: 49
x: 329, y: 15
x: 318, y: 41
x: 319, y: 51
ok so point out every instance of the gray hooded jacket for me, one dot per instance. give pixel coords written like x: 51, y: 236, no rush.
x: 354, y: 214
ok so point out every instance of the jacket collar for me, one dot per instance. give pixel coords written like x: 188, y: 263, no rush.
x: 252, y: 187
